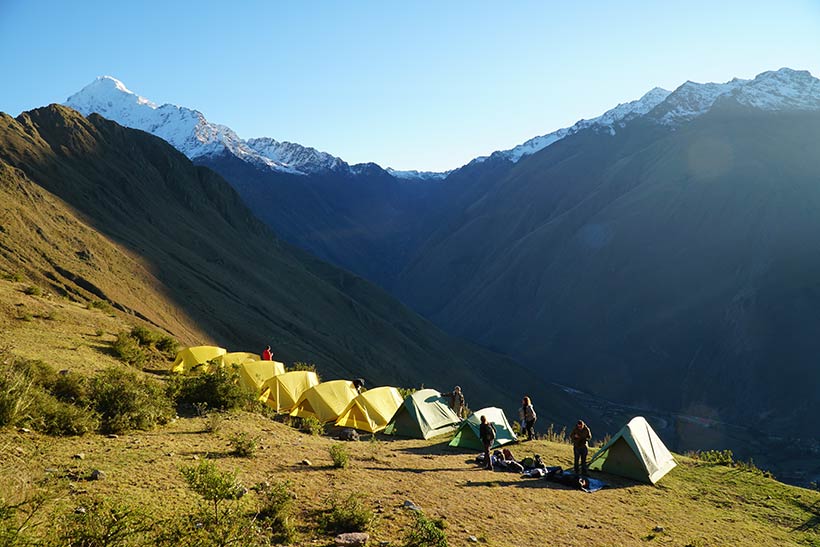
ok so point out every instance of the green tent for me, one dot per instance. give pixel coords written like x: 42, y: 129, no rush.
x: 422, y: 415
x: 635, y: 452
x: 468, y: 435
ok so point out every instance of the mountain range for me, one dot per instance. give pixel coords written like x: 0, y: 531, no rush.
x: 96, y: 211
x: 661, y: 254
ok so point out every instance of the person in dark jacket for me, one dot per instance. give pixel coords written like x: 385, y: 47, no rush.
x: 527, y: 415
x: 580, y: 437
x: 487, y: 433
x: 456, y: 401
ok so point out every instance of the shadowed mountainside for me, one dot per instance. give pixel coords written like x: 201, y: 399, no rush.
x: 673, y: 268
x: 98, y: 211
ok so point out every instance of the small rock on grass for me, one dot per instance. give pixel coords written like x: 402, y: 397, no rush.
x: 79, y: 456
x: 97, y: 475
x: 305, y: 462
x: 472, y: 539
x: 352, y: 539
x: 410, y: 505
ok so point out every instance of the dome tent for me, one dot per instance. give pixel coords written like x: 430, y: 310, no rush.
x: 371, y: 410
x: 325, y: 401
x: 468, y: 435
x: 424, y: 414
x: 635, y: 452
x: 194, y: 357
x: 282, y: 392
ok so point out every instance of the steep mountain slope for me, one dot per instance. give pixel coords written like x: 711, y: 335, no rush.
x: 100, y: 211
x: 672, y: 266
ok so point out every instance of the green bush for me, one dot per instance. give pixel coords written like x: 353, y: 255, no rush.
x: 125, y: 401
x: 426, y: 532
x: 71, y: 387
x: 16, y: 399
x: 276, y: 510
x: 167, y: 345
x: 128, y: 349
x: 102, y: 523
x: 41, y: 373
x: 53, y: 417
x: 101, y: 305
x: 405, y: 392
x: 20, y: 516
x: 299, y: 365
x: 244, y: 445
x: 719, y: 457
x: 218, y: 390
x: 339, y: 455
x: 144, y: 336
x: 311, y: 424
x: 213, y: 485
x: 200, y: 529
x: 33, y: 291
x: 347, y: 515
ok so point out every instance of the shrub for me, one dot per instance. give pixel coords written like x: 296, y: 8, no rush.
x: 41, y: 373
x: 347, y: 515
x: 405, y: 392
x: 124, y: 401
x: 20, y: 515
x: 128, y: 349
x: 276, y: 510
x: 201, y: 530
x: 15, y: 396
x: 144, y: 336
x: 718, y: 457
x: 105, y: 524
x: 16, y: 277
x: 101, y: 305
x: 54, y: 417
x: 299, y: 365
x: 167, y: 345
x: 213, y: 485
x: 70, y: 387
x: 244, y: 445
x: 312, y: 425
x: 33, y: 291
x: 559, y: 437
x: 219, y: 390
x: 426, y: 532
x: 339, y: 455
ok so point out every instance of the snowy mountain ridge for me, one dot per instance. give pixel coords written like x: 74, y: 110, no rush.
x: 189, y: 131
x: 774, y: 90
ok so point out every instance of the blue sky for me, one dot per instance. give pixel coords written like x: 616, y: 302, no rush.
x: 410, y: 85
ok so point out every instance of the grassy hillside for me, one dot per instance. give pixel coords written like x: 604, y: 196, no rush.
x: 695, y: 505
x: 99, y: 212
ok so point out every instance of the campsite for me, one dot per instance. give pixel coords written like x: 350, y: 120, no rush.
x: 697, y: 503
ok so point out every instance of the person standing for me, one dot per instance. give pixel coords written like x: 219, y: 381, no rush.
x: 487, y: 433
x: 580, y: 437
x: 456, y: 401
x: 267, y: 355
x: 528, y: 417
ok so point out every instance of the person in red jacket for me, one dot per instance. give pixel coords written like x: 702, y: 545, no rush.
x: 267, y: 355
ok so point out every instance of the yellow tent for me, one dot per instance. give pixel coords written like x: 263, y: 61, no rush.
x: 283, y: 391
x: 237, y: 357
x: 191, y: 358
x: 252, y: 374
x: 371, y: 410
x: 325, y: 401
